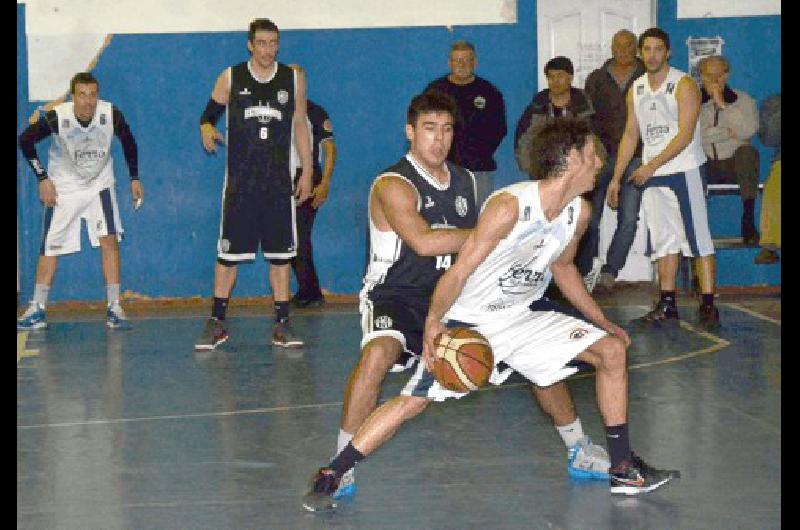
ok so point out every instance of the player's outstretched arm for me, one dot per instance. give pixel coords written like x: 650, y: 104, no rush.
x: 569, y: 281
x: 495, y: 223
x: 394, y: 207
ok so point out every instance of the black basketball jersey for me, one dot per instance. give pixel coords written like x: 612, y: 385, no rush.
x: 260, y: 131
x: 394, y: 268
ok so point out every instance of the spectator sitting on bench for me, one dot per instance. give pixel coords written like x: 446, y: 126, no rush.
x: 770, y: 134
x: 728, y: 119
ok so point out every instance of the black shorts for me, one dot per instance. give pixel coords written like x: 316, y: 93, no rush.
x: 402, y: 318
x: 250, y: 220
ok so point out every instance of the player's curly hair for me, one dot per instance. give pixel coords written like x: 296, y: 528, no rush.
x: 552, y: 142
x: 431, y: 101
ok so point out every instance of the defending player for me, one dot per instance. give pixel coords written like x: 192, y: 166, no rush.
x: 533, y: 227
x: 420, y: 211
x: 79, y: 184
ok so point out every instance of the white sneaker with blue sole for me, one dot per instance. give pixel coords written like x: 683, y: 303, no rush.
x: 33, y: 318
x: 587, y: 461
x: 347, y: 486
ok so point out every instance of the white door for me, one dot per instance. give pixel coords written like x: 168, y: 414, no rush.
x: 582, y: 31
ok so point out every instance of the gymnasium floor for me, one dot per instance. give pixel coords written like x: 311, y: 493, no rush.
x: 134, y: 429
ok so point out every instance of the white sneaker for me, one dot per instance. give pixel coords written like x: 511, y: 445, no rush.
x: 347, y: 486
x: 591, y: 277
x: 33, y: 318
x: 115, y: 317
x: 588, y: 461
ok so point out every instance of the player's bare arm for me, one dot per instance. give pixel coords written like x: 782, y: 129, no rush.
x: 569, y: 280
x: 394, y: 207
x: 219, y: 94
x: 627, y: 146
x: 495, y: 223
x: 320, y: 192
x: 300, y: 124
x: 688, y: 97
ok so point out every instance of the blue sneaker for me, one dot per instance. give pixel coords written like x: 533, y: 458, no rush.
x: 347, y: 486
x: 587, y: 461
x: 32, y: 318
x: 115, y: 317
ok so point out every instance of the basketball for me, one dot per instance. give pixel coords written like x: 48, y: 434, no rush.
x: 463, y: 361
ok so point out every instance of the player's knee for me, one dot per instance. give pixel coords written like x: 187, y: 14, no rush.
x: 377, y: 358
x: 613, y: 354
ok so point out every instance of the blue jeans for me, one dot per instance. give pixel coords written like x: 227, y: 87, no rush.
x: 630, y: 198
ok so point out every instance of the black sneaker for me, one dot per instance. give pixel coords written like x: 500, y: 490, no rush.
x: 663, y: 314
x: 633, y: 476
x: 301, y: 303
x: 708, y: 317
x: 213, y: 335
x: 323, y: 486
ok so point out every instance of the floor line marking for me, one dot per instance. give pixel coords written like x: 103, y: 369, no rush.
x: 751, y: 312
x: 22, y: 340
x: 719, y: 344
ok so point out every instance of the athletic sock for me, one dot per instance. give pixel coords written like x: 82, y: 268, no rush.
x: 342, y: 441
x: 668, y: 297
x: 708, y: 299
x: 112, y: 293
x: 619, y: 447
x: 219, y: 308
x: 41, y: 292
x: 281, y: 311
x: 571, y: 433
x: 346, y: 460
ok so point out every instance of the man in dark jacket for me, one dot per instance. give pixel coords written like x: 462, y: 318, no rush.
x: 606, y: 87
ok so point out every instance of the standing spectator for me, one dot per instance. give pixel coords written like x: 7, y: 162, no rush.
x: 606, y: 88
x: 79, y: 184
x: 663, y: 111
x: 266, y: 105
x: 559, y: 99
x: 321, y: 131
x: 481, y: 124
x: 728, y: 119
x: 770, y: 134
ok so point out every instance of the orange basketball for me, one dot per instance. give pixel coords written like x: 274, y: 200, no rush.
x: 464, y: 361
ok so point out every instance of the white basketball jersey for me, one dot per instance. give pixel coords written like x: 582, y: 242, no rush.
x: 517, y: 272
x: 80, y: 157
x: 657, y: 114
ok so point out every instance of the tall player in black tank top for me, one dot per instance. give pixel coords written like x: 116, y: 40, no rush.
x: 266, y: 104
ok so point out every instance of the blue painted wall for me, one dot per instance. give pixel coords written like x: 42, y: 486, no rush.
x: 365, y: 79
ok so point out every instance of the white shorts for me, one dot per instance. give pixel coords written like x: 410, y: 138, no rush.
x: 537, y: 343
x: 676, y: 215
x: 61, y: 233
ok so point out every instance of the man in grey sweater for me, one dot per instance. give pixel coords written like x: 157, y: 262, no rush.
x: 728, y: 119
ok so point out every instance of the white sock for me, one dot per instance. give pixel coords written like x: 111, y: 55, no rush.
x: 112, y: 292
x: 343, y: 440
x: 571, y: 433
x: 41, y: 292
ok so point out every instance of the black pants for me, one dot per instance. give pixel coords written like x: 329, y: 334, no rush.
x: 303, y: 263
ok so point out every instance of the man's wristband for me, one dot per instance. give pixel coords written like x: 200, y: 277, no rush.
x: 212, y: 112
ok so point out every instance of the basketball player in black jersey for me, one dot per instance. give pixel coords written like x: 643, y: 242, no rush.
x: 266, y: 108
x: 421, y: 211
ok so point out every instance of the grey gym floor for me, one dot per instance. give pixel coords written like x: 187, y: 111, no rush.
x: 134, y: 429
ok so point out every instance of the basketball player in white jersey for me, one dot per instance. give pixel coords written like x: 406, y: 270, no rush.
x: 527, y: 234
x: 663, y: 108
x: 79, y: 184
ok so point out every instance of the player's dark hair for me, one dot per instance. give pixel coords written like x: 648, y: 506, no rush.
x: 431, y: 101
x: 82, y: 78
x: 552, y: 142
x: 559, y: 63
x: 657, y: 33
x: 261, y: 24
